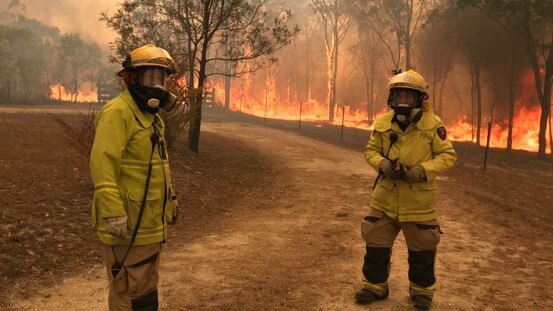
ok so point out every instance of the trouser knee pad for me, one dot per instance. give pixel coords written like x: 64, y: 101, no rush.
x: 421, y: 267
x: 148, y: 302
x: 376, y: 264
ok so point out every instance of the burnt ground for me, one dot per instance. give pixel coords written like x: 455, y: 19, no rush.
x: 271, y: 222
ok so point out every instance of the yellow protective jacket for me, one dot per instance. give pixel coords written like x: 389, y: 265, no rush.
x: 424, y: 143
x: 119, y: 166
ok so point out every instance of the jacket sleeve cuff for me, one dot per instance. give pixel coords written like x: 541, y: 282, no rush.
x: 430, y: 174
x: 109, y: 204
x: 374, y: 161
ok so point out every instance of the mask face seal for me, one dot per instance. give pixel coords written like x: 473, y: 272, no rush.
x: 149, y: 90
x: 406, y: 103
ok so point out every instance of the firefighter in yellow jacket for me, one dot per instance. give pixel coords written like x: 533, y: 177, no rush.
x: 408, y: 148
x: 133, y: 194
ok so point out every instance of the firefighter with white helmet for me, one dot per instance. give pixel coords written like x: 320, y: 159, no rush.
x: 408, y: 148
x: 134, y: 199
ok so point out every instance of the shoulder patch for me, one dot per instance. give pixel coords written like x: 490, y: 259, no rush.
x: 442, y: 133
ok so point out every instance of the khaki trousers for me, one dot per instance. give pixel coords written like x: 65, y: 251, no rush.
x: 379, y: 232
x: 134, y: 287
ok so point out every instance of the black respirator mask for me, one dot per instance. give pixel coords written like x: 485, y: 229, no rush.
x: 406, y: 104
x: 149, y: 92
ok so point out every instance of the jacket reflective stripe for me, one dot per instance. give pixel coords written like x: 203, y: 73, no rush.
x: 419, y: 144
x: 119, y: 160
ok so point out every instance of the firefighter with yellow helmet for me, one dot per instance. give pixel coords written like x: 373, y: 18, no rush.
x: 408, y: 148
x: 134, y: 198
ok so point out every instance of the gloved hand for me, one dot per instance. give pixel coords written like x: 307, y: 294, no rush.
x: 392, y: 169
x: 117, y: 226
x: 175, y: 216
x: 415, y: 174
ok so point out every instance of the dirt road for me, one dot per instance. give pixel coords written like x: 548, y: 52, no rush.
x: 296, y: 244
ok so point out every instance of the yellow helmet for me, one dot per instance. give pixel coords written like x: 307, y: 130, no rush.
x: 409, y: 79
x: 149, y: 55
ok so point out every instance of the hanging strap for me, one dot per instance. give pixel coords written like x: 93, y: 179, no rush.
x: 154, y: 139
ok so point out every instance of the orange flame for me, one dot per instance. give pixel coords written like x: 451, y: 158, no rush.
x: 87, y: 93
x: 526, y: 122
x: 266, y: 104
x: 525, y: 131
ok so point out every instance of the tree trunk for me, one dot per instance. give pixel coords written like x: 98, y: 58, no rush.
x: 196, y: 107
x: 407, y: 53
x: 545, y: 111
x: 544, y: 95
x: 195, y: 124
x: 333, y: 72
x: 512, y: 85
x: 227, y: 86
x: 472, y: 101
x: 550, y: 136
x: 367, y: 82
x: 372, y: 95
x: 434, y: 82
x: 478, y: 102
x: 48, y: 90
x: 442, y: 90
x: 330, y: 82
x: 308, y: 68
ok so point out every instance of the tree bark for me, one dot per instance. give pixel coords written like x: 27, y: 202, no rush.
x: 478, y: 94
x: 196, y: 107
x: 227, y: 89
x: 334, y: 75
x: 512, y: 85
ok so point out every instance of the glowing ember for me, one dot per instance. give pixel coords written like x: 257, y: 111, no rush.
x: 87, y: 93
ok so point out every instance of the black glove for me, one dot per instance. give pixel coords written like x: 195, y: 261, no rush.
x: 392, y: 169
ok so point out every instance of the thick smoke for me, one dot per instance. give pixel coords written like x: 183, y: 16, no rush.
x: 70, y: 17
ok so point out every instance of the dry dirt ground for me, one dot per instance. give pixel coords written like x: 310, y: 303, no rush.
x: 271, y: 222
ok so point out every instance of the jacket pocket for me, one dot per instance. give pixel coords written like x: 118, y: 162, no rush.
x: 423, y: 194
x: 370, y: 231
x: 153, y: 206
x: 384, y: 194
x: 387, y: 183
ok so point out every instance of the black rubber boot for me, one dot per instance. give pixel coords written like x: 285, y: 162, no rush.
x: 365, y: 296
x: 421, y: 302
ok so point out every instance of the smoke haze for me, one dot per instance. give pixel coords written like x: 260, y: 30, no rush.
x: 72, y: 16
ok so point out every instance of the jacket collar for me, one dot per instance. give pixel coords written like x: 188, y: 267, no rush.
x: 385, y: 123
x: 144, y: 118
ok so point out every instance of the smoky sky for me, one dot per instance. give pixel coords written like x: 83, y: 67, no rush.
x: 72, y: 16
